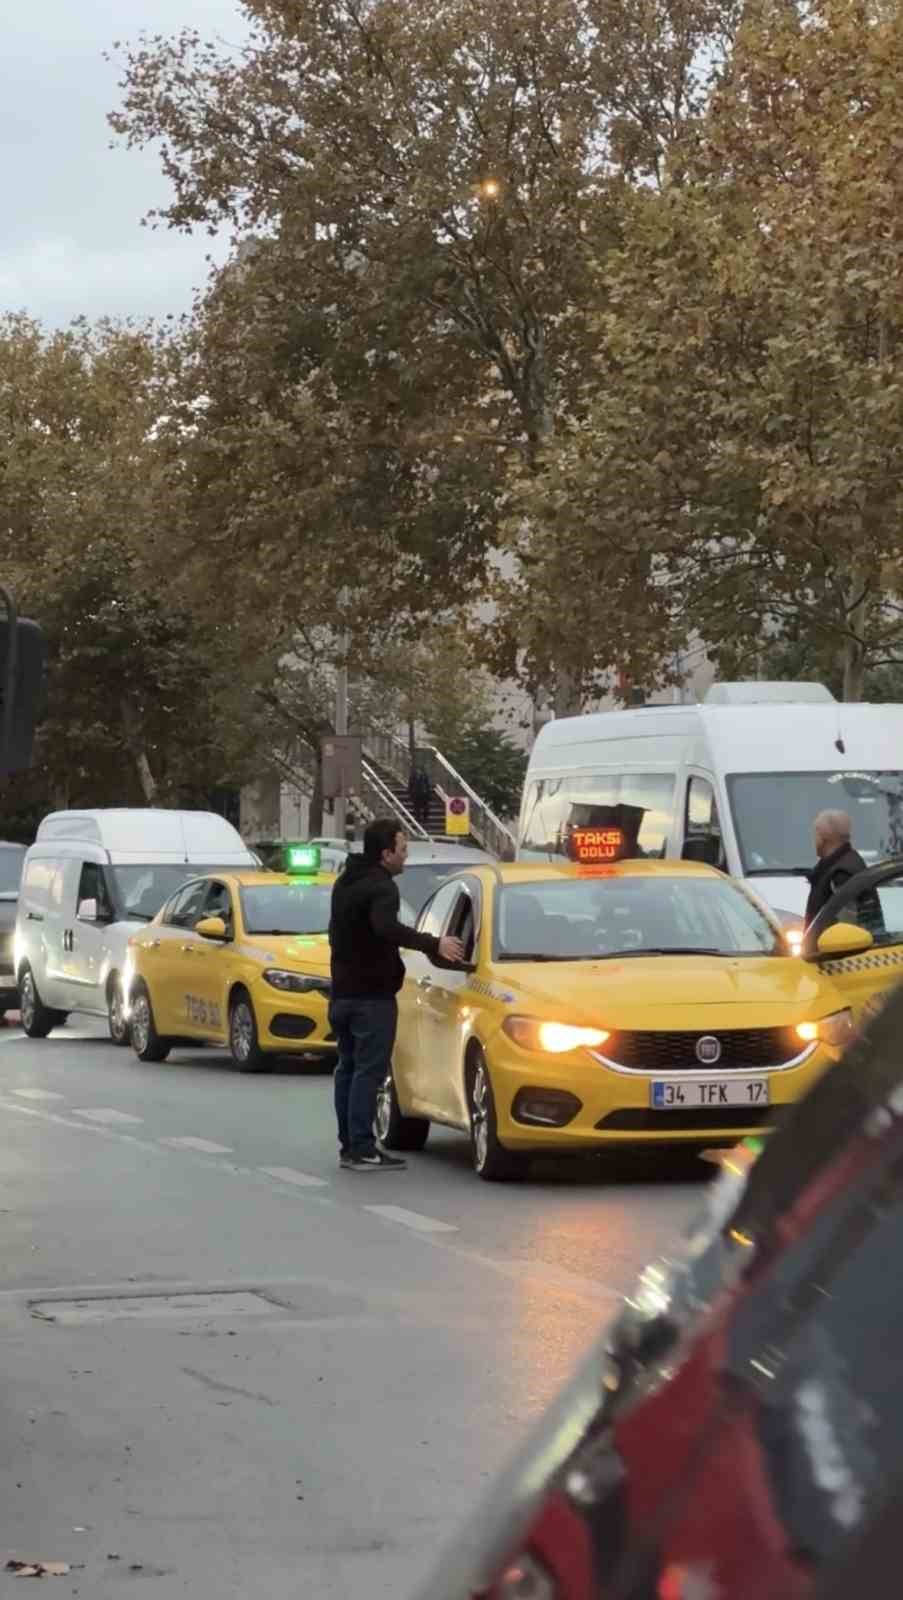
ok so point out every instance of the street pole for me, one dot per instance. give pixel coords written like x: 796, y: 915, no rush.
x: 340, y: 805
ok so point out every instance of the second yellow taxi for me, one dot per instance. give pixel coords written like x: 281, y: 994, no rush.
x: 236, y: 958
x: 642, y: 1001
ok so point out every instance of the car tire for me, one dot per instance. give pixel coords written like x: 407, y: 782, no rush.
x: 491, y: 1161
x: 38, y: 1020
x: 244, y: 1040
x: 393, y: 1128
x: 147, y: 1043
x: 117, y: 1021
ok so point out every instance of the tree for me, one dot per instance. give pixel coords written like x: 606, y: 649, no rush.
x: 492, y: 764
x: 428, y: 195
x: 754, y: 447
x: 144, y: 701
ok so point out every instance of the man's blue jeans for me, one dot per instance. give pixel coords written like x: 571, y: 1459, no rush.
x: 364, y: 1027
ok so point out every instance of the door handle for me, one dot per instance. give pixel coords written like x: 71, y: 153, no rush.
x: 68, y: 940
x: 35, y: 916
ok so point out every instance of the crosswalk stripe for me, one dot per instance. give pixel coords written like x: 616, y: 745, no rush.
x: 412, y: 1219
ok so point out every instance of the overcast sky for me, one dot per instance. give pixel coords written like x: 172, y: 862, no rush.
x: 71, y: 240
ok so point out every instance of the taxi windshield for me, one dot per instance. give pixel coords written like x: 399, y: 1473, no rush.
x: 594, y: 918
x: 286, y: 908
x: 143, y: 889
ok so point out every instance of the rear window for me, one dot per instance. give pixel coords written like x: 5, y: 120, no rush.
x: 286, y: 908
x: 39, y: 876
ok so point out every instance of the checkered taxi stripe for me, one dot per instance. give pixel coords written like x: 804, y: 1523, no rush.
x: 874, y: 959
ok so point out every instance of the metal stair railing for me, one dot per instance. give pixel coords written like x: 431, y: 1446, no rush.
x: 390, y: 803
x: 393, y: 754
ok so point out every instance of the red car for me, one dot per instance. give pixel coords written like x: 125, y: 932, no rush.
x: 734, y: 1435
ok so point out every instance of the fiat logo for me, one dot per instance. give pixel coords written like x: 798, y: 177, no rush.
x: 708, y: 1050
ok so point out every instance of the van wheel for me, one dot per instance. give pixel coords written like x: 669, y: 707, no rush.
x: 37, y: 1019
x: 393, y: 1128
x: 146, y: 1041
x: 243, y: 1038
x: 490, y: 1158
x: 117, y: 1021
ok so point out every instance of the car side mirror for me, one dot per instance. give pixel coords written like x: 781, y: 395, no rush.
x: 87, y: 911
x: 843, y: 939
x: 702, y: 847
x: 212, y: 928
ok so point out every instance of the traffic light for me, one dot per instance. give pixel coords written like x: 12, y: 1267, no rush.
x: 23, y: 669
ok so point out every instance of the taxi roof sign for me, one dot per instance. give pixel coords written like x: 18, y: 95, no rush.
x: 596, y: 847
x: 301, y: 858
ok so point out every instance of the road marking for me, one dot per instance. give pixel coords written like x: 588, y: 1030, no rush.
x: 205, y: 1145
x: 37, y: 1094
x: 107, y: 1116
x: 303, y: 1180
x: 412, y: 1219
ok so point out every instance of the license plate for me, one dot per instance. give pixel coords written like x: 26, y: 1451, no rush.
x: 709, y: 1094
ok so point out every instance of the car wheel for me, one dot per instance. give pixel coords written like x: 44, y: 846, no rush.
x: 146, y: 1041
x: 117, y: 1021
x: 37, y: 1019
x: 393, y: 1128
x: 490, y: 1158
x: 243, y: 1037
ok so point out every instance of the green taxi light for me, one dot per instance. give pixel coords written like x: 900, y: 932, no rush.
x: 302, y: 858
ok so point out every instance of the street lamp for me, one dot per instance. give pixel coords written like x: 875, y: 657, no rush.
x: 490, y: 188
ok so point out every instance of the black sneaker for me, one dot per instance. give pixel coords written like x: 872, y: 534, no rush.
x: 345, y: 1158
x: 377, y: 1162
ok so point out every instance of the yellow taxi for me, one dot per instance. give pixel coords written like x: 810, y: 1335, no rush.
x: 235, y: 958
x: 607, y: 1004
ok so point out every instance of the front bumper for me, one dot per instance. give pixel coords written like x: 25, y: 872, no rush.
x: 293, y: 1024
x: 615, y: 1106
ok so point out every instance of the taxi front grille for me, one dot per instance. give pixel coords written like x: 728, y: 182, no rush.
x: 730, y: 1120
x: 754, y: 1048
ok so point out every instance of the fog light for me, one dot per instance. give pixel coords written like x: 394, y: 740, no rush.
x: 548, y: 1108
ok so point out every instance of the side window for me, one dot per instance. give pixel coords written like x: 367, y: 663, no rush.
x: 702, y: 819
x: 432, y: 917
x: 92, y: 886
x: 642, y: 803
x: 879, y: 910
x: 38, y: 879
x: 218, y: 903
x: 184, y: 909
x: 465, y: 918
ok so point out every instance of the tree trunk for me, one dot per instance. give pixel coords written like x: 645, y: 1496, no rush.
x: 149, y: 786
x: 567, y: 700
x: 853, y: 669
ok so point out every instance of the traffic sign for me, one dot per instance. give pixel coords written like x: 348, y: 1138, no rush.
x: 457, y: 814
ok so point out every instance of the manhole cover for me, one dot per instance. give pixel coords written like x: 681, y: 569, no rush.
x: 175, y: 1307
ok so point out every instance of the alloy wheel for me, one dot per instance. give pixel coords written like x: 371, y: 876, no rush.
x: 384, y: 1108
x: 27, y: 1000
x: 479, y: 1115
x: 140, y: 1022
x: 242, y: 1031
x: 118, y: 1024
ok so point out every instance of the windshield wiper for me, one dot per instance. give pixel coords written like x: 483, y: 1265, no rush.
x: 533, y: 955
x: 654, y: 950
x: 777, y: 872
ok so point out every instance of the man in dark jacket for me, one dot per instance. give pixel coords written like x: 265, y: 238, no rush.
x: 365, y: 936
x: 837, y: 861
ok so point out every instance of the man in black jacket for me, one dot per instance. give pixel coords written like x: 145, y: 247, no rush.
x: 365, y: 936
x: 837, y: 861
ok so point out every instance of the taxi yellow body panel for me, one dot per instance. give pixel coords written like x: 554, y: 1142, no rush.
x: 443, y: 1020
x: 191, y: 980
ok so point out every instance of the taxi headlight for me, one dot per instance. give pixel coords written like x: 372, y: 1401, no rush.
x: 836, y: 1030
x: 294, y: 982
x: 553, y: 1038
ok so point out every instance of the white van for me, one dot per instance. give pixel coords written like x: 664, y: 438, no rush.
x: 90, y: 879
x: 735, y: 781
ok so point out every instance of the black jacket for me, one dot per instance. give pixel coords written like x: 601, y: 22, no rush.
x: 831, y: 874
x: 365, y: 934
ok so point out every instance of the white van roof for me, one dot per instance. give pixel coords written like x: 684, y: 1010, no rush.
x: 769, y: 737
x: 133, y: 834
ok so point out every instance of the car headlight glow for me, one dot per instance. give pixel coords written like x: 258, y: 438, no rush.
x: 836, y: 1030
x: 553, y: 1038
x: 295, y: 982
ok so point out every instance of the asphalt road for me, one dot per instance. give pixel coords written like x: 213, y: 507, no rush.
x: 231, y: 1369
